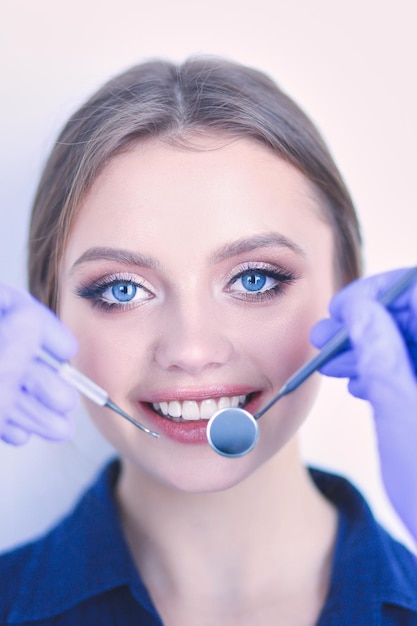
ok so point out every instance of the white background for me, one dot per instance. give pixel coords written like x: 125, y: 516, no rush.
x: 350, y: 64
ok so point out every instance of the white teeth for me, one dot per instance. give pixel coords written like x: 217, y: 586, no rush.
x: 225, y: 403
x: 207, y: 409
x: 191, y: 410
x: 174, y: 408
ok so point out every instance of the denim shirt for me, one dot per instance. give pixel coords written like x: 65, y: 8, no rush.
x: 81, y: 572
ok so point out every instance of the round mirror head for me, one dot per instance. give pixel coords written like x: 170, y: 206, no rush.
x: 232, y: 432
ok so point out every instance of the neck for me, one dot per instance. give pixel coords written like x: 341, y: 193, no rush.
x: 274, y: 528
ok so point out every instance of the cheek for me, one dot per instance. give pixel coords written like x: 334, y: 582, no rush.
x: 112, y: 361
x: 281, y: 349
x: 101, y: 351
x: 286, y: 351
x: 279, y: 343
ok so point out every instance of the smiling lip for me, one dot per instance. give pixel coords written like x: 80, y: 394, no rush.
x: 192, y: 430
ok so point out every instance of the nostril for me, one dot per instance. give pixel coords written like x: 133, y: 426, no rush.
x: 193, y: 356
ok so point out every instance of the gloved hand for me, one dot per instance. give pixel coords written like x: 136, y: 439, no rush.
x: 33, y: 398
x: 382, y: 365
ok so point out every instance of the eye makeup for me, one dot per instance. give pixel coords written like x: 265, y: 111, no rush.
x: 251, y: 282
x: 119, y: 291
x: 259, y: 282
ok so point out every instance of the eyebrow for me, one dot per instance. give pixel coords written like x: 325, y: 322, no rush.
x: 125, y: 257
x: 247, y: 244
x: 264, y: 240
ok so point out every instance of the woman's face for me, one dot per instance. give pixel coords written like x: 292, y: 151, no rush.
x: 191, y: 279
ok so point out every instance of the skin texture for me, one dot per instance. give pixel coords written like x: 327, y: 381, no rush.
x: 194, y: 333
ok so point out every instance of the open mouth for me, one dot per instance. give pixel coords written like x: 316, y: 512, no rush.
x: 194, y: 410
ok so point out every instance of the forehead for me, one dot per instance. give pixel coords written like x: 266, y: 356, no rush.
x: 216, y: 191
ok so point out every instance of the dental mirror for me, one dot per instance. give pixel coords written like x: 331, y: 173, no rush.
x: 234, y: 432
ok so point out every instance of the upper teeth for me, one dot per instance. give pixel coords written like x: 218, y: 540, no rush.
x: 195, y: 410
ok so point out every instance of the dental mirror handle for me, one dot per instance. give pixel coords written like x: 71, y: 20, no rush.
x: 234, y: 432
x: 336, y: 344
x: 87, y: 387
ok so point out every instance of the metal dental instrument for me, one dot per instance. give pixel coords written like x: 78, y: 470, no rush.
x: 87, y: 387
x: 234, y: 432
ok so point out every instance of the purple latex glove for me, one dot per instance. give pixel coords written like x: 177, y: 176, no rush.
x: 33, y: 398
x: 382, y: 365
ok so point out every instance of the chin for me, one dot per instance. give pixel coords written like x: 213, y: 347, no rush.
x: 193, y: 471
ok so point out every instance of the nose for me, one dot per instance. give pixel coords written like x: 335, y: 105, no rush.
x: 193, y: 339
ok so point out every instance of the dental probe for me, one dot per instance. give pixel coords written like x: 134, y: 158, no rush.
x: 87, y: 387
x: 234, y: 432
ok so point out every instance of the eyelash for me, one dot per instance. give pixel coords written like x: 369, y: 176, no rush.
x: 95, y: 289
x: 283, y: 278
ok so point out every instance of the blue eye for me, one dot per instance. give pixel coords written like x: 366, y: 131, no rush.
x: 116, y: 293
x: 253, y: 281
x: 124, y: 292
x: 256, y: 284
